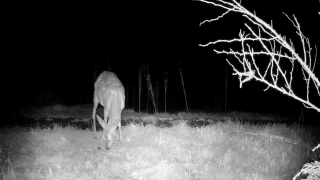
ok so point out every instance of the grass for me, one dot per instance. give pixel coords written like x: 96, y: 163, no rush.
x: 222, y: 150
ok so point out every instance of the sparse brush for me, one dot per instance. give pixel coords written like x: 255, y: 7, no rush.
x: 312, y: 170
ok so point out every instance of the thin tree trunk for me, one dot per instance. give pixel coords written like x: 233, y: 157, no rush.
x: 140, y: 84
x: 184, y: 90
x: 134, y: 97
x: 149, y: 84
x: 157, y: 96
x: 165, y: 89
x: 226, y: 88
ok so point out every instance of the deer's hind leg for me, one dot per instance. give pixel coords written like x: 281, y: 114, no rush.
x: 95, y: 106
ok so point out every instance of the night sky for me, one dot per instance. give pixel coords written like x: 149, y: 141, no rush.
x: 51, y: 51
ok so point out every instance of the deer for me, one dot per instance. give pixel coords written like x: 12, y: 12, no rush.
x: 108, y: 92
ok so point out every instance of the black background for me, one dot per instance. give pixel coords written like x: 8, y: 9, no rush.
x: 51, y: 50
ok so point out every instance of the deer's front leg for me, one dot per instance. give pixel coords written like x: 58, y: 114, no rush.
x: 120, y: 134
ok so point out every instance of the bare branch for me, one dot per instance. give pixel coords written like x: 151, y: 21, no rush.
x: 273, y: 45
x: 215, y: 19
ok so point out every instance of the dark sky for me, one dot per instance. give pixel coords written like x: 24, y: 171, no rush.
x: 51, y: 49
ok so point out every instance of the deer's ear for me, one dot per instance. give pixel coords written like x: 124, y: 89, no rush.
x: 101, y: 122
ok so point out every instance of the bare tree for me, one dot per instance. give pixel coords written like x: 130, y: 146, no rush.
x: 149, y: 84
x: 165, y: 89
x: 140, y: 83
x: 276, y: 48
x: 183, y: 86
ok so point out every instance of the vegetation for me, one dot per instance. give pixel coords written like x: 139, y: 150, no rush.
x: 227, y: 148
